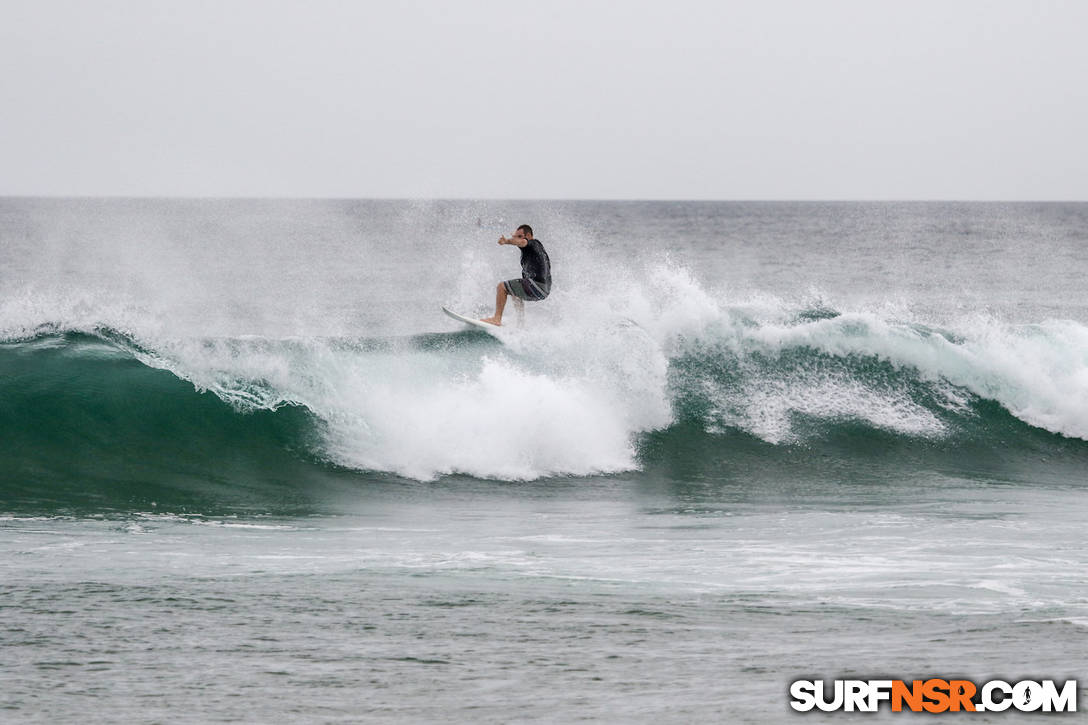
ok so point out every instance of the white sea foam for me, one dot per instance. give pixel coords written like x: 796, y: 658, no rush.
x: 1039, y: 373
x: 572, y: 393
x: 500, y: 421
x: 767, y: 408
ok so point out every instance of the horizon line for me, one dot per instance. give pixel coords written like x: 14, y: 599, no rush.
x: 814, y: 200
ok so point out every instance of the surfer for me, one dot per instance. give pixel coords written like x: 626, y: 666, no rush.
x: 536, y: 274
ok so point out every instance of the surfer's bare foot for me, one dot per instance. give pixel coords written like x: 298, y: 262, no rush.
x: 492, y: 320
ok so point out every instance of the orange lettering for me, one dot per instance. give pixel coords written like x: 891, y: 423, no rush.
x: 912, y: 695
x: 960, y: 694
x: 936, y: 691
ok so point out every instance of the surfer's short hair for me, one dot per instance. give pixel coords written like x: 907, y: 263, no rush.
x: 527, y: 229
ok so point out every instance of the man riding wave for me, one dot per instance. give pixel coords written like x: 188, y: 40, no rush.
x: 536, y: 274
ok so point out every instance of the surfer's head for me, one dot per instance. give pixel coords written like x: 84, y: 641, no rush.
x: 528, y: 230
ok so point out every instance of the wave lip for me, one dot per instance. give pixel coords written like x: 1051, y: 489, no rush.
x: 902, y: 377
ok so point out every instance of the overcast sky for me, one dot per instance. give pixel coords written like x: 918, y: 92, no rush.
x: 823, y: 99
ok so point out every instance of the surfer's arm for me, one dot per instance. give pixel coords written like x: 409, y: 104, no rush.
x: 515, y: 242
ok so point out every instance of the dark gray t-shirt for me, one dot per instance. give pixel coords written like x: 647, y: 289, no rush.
x: 535, y: 263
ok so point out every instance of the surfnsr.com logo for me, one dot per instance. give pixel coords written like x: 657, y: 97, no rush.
x: 933, y: 695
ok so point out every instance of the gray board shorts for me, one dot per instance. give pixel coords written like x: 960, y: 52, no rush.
x: 526, y: 289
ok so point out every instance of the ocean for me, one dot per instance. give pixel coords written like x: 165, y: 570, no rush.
x: 249, y: 471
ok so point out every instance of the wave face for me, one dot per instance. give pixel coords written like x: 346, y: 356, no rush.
x: 103, y: 414
x: 86, y: 422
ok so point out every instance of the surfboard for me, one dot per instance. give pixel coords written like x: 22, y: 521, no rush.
x: 485, y: 326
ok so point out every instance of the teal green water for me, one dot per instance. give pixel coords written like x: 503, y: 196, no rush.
x: 88, y: 428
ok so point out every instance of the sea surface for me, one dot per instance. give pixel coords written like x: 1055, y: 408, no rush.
x: 249, y: 471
